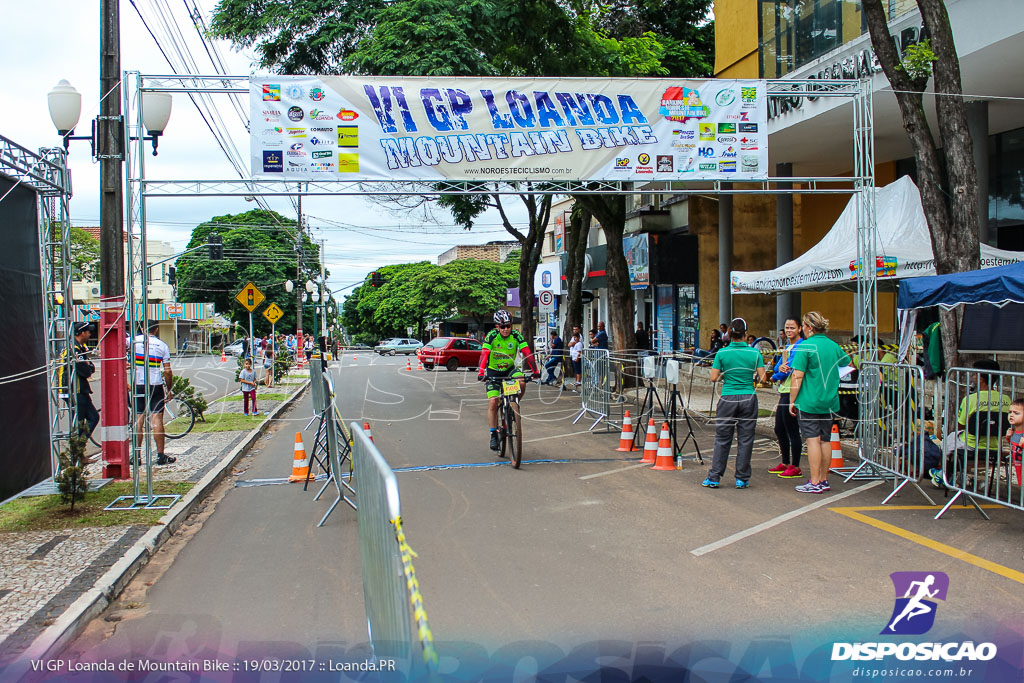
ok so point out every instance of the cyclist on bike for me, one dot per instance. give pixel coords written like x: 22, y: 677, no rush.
x: 498, y: 361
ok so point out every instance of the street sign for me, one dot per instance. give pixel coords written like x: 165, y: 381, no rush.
x: 547, y: 301
x: 250, y: 297
x: 586, y: 297
x: 273, y: 313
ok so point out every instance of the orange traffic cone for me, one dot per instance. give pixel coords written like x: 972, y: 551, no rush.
x: 626, y: 438
x: 665, y: 461
x: 419, y: 365
x: 300, y: 463
x: 223, y: 356
x: 837, y: 449
x: 369, y: 434
x: 651, y: 445
x: 355, y: 356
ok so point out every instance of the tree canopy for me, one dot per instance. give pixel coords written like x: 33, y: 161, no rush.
x: 259, y: 246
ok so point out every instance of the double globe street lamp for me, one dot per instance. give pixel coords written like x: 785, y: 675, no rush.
x: 65, y: 106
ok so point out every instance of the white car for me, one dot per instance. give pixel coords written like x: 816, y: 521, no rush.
x: 234, y: 348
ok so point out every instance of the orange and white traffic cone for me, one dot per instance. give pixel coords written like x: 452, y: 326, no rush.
x: 664, y: 461
x: 626, y: 438
x: 408, y: 365
x: 369, y: 434
x: 223, y: 356
x: 651, y: 445
x: 300, y: 463
x: 837, y: 449
x: 419, y: 365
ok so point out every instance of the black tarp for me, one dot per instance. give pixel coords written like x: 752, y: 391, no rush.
x: 24, y: 417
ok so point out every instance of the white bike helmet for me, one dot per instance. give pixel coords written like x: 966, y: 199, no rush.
x: 501, y: 317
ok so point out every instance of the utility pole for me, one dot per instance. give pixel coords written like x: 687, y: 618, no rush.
x: 299, y: 285
x: 110, y: 148
x: 324, y: 294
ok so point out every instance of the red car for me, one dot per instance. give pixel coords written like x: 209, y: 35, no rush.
x: 451, y: 352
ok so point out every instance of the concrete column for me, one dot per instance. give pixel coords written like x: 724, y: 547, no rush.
x: 977, y: 124
x: 724, y: 255
x: 788, y: 303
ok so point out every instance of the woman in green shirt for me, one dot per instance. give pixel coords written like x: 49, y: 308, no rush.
x: 736, y: 365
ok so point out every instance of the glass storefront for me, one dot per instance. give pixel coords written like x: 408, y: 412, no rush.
x: 795, y: 32
x: 1006, y: 189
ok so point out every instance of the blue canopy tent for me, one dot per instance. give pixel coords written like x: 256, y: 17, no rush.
x: 994, y: 319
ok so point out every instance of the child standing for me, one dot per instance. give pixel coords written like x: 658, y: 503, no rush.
x: 247, y: 378
x: 268, y: 365
x: 1015, y: 434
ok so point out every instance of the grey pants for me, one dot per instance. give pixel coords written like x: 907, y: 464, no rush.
x: 737, y: 413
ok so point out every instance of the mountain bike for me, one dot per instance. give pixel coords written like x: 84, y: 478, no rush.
x: 510, y: 424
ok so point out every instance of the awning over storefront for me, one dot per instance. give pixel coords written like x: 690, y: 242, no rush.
x: 903, y: 241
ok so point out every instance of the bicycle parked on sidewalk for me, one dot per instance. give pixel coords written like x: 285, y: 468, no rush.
x: 179, y: 418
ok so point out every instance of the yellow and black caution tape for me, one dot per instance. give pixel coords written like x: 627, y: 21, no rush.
x: 419, y: 612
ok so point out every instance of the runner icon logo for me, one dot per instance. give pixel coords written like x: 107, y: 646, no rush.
x: 916, y: 595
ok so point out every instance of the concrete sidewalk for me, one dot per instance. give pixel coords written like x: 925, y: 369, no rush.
x: 54, y: 582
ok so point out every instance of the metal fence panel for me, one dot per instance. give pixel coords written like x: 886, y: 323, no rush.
x: 316, y: 383
x: 978, y: 463
x: 388, y: 613
x: 595, y: 392
x: 892, y: 436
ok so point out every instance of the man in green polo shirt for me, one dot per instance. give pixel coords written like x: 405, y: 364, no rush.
x: 814, y: 396
x: 736, y: 365
x: 983, y: 400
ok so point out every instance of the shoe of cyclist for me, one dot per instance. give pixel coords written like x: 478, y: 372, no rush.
x: 495, y: 445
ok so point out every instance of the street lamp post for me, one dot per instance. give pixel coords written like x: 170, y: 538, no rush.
x: 107, y: 139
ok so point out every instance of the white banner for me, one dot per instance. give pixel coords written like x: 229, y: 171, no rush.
x: 489, y: 129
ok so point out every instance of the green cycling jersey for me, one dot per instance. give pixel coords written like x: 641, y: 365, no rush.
x: 502, y: 351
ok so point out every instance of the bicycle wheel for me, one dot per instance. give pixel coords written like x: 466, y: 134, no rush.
x: 178, y: 419
x: 515, y: 435
x: 503, y: 428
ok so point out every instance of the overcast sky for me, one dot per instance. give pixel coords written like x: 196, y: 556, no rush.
x: 48, y: 40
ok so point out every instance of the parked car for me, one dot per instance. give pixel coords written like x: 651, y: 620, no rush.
x: 398, y: 345
x: 234, y: 348
x: 451, y: 353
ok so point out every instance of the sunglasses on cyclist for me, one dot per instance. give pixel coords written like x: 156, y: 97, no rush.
x: 505, y: 327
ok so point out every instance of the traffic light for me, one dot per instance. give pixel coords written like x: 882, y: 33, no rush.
x: 172, y: 275
x: 375, y: 279
x: 216, y: 244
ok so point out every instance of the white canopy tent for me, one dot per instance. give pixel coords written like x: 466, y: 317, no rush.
x: 904, y: 249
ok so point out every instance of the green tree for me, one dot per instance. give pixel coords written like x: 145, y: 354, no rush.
x: 471, y: 287
x: 946, y: 173
x: 259, y: 247
x: 85, y: 253
x: 371, y: 313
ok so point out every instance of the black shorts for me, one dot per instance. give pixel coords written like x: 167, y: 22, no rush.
x: 815, y: 425
x: 156, y: 398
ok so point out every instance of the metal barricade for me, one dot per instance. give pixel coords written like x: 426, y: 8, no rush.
x: 892, y: 435
x: 595, y: 393
x: 977, y: 459
x: 316, y: 384
x: 339, y: 450
x: 390, y: 588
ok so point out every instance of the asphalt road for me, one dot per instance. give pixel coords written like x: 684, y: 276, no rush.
x: 555, y: 556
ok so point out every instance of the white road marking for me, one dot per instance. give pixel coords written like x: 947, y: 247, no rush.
x: 621, y: 469
x: 729, y: 540
x: 556, y: 436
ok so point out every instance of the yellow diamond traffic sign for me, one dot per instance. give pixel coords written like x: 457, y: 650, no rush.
x: 273, y: 313
x: 250, y: 297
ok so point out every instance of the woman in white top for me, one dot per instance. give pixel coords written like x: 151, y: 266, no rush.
x: 575, y: 350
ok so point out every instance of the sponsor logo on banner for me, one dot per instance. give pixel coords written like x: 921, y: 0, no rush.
x: 727, y: 128
x: 271, y: 115
x: 294, y: 92
x: 347, y: 115
x: 348, y: 163
x: 707, y: 131
x: 295, y: 153
x: 748, y: 127
x: 685, y: 147
x: 748, y: 148
x: 688, y: 165
x: 726, y: 97
x: 685, y: 134
x: 272, y: 143
x: 726, y: 138
x: 706, y: 152
x: 315, y: 141
x: 644, y: 159
x: 296, y: 113
x: 622, y: 164
x: 322, y: 167
x: 665, y: 163
x: 316, y: 94
x: 296, y: 132
x: 748, y: 94
x: 294, y: 167
x: 348, y: 136
x: 276, y: 130
x: 320, y: 115
x: 749, y: 163
x: 729, y: 153
x: 742, y: 116
x: 296, y: 146
x: 273, y: 162
x: 324, y: 154
x: 913, y: 614
x: 727, y: 166
x: 708, y: 167
x: 323, y: 129
x: 271, y: 92
x: 682, y: 104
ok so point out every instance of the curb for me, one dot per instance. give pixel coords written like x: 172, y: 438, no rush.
x: 106, y: 589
